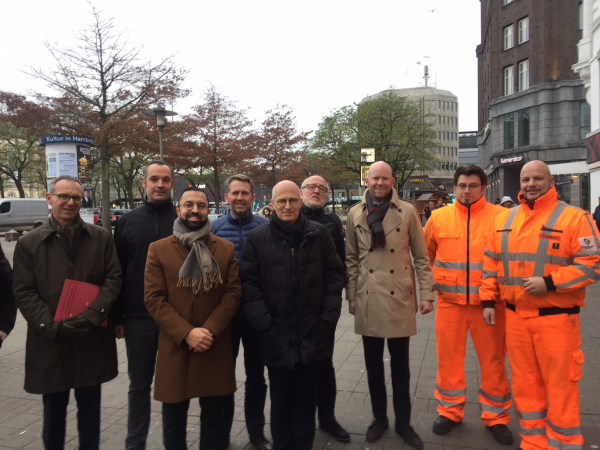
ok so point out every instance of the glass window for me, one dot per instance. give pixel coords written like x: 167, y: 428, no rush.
x: 523, y: 30
x: 509, y: 84
x: 524, y: 127
x: 433, y: 103
x: 509, y: 32
x: 439, y: 120
x: 585, y: 119
x: 524, y: 75
x: 509, y: 131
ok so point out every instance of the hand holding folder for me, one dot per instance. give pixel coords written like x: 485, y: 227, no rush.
x: 75, y: 298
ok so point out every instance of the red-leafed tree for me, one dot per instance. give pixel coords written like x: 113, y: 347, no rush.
x: 219, y: 138
x: 279, y: 148
x: 103, y: 81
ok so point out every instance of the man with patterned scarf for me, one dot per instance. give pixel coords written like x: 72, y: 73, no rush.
x: 192, y: 291
x: 382, y: 233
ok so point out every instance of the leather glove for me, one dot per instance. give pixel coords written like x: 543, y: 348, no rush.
x: 74, y: 328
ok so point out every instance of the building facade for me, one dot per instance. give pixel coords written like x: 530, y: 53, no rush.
x: 468, y: 153
x: 531, y: 102
x: 441, y: 107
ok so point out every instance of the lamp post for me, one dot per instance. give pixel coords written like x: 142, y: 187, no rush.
x: 160, y: 113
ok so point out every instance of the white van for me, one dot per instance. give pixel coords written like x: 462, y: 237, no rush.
x: 22, y: 214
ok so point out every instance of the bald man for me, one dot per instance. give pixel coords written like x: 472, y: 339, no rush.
x: 292, y: 279
x: 382, y: 234
x: 539, y: 260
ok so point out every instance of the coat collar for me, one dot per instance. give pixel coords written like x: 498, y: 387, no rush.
x: 46, y: 229
x: 479, y: 204
x: 548, y: 199
x: 239, y: 221
x: 211, y: 244
x: 391, y: 220
x: 312, y: 213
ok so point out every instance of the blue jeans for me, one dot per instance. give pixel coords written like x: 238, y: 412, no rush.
x: 141, y: 339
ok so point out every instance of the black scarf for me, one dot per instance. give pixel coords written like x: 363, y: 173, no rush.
x: 293, y: 231
x: 375, y: 219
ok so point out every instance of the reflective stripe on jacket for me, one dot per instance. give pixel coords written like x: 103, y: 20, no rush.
x: 456, y: 236
x: 551, y: 239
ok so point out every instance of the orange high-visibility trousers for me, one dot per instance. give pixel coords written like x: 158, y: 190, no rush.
x: 452, y: 322
x: 546, y: 364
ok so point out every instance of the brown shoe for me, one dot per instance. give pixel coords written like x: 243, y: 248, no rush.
x: 376, y: 430
x: 411, y: 438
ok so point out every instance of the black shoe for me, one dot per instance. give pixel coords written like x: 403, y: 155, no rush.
x: 411, y: 438
x: 376, y: 430
x: 443, y: 425
x: 224, y: 445
x: 502, y: 434
x: 335, y: 430
x: 261, y: 443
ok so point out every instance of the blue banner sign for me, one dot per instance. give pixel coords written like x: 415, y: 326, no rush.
x: 63, y: 138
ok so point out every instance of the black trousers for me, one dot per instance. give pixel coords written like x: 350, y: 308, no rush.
x: 398, y: 348
x: 88, y: 418
x: 256, y: 387
x: 212, y: 414
x: 293, y: 405
x: 327, y: 388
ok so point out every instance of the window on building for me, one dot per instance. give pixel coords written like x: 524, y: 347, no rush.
x: 506, y: 2
x: 439, y: 104
x: 509, y: 131
x: 524, y: 127
x: 433, y: 103
x: 524, y: 75
x: 439, y: 120
x: 509, y: 83
x: 523, y: 30
x: 509, y: 41
x: 585, y: 119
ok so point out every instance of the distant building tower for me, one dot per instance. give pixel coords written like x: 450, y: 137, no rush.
x: 442, y: 107
x: 468, y: 153
x: 531, y: 102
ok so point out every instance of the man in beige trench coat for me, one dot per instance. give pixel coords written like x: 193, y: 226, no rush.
x: 192, y: 291
x: 382, y: 232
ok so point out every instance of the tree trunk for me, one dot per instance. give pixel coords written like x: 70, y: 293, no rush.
x: 1, y: 187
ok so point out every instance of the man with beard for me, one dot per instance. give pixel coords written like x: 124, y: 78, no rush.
x: 234, y: 227
x: 314, y: 197
x: 134, y: 232
x: 292, y: 280
x: 382, y: 234
x: 192, y: 291
x: 539, y: 260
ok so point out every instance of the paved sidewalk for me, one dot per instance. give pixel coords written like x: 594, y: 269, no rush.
x: 21, y: 413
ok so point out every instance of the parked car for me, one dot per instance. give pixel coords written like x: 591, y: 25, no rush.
x: 114, y: 216
x: 213, y: 216
x: 22, y: 214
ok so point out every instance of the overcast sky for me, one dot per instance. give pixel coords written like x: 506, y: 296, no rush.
x: 312, y: 55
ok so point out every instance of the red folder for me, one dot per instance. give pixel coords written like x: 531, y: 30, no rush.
x: 75, y: 298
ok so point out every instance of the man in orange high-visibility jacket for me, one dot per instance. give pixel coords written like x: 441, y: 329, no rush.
x: 540, y: 258
x: 456, y: 236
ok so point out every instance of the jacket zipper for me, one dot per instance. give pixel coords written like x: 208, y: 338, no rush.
x: 468, y: 245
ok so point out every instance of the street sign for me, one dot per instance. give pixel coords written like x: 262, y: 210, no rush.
x: 364, y: 173
x: 367, y: 155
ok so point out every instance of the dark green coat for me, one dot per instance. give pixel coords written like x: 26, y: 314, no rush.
x: 41, y: 265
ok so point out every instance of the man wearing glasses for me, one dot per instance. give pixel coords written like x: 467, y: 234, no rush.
x: 314, y: 197
x: 192, y: 291
x: 456, y: 237
x: 292, y: 280
x: 134, y: 232
x: 75, y: 353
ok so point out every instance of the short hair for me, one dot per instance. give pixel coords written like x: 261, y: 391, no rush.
x: 240, y: 177
x: 158, y: 163
x: 469, y: 170
x: 302, y: 186
x: 63, y: 177
x: 192, y: 189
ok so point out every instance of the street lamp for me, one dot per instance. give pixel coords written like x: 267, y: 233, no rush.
x: 160, y: 114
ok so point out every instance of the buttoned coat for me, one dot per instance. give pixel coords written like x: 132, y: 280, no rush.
x: 382, y: 280
x: 182, y: 374
x: 40, y: 267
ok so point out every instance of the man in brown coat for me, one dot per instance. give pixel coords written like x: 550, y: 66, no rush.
x: 192, y: 291
x: 74, y: 353
x: 382, y: 233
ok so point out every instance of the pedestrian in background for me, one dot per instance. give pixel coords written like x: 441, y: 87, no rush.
x: 292, y: 279
x: 507, y: 202
x: 8, y: 309
x: 134, y: 232
x: 314, y: 197
x: 73, y: 353
x: 192, y: 291
x: 382, y: 234
x: 235, y: 227
x: 267, y: 210
x: 540, y: 258
x: 456, y: 238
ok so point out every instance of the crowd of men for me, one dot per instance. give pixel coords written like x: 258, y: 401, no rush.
x: 184, y: 293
